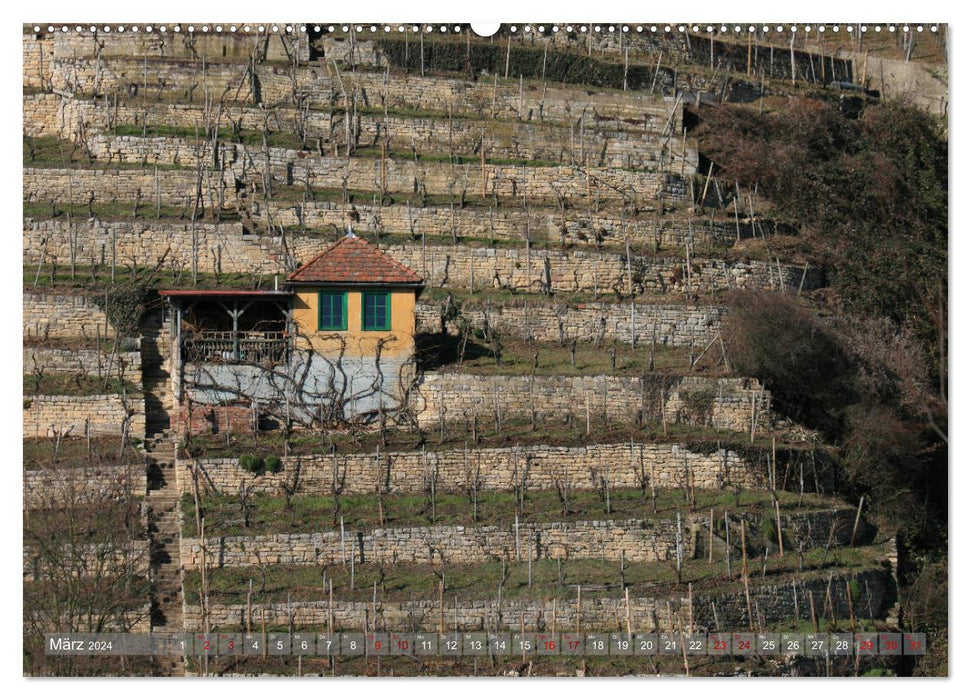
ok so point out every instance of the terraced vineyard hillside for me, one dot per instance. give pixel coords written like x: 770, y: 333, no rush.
x: 586, y: 445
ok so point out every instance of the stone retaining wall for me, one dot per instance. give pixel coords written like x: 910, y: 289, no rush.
x: 642, y: 541
x: 723, y: 404
x: 574, y: 227
x: 535, y: 467
x: 603, y: 273
x: 46, y: 488
x: 638, y: 540
x: 91, y: 561
x: 103, y: 415
x: 667, y: 324
x: 400, y: 174
x: 772, y: 603
x: 225, y: 248
x: 605, y: 143
x: 124, y: 365
x: 62, y: 316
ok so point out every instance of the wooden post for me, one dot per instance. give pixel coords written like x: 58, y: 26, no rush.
x: 728, y: 549
x: 579, y: 608
x: 856, y: 522
x: 249, y: 606
x: 849, y: 603
x: 441, y: 606
x: 630, y: 635
x: 384, y: 153
x: 482, y: 164
x: 778, y: 524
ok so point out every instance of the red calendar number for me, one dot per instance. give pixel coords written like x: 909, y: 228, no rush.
x: 721, y: 645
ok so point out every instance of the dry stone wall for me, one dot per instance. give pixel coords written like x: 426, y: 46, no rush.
x: 533, y: 467
x: 90, y: 561
x: 600, y: 272
x: 95, y: 415
x: 509, y: 99
x: 175, y: 187
x: 123, y: 365
x: 774, y: 603
x: 62, y: 316
x: 399, y: 174
x: 575, y: 226
x: 624, y: 146
x: 227, y: 248
x: 667, y: 324
x: 280, y: 46
x: 220, y: 247
x: 641, y: 541
x: 45, y: 488
x: 724, y: 404
x: 635, y: 540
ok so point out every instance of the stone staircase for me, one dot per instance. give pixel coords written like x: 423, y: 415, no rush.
x: 156, y: 349
x: 164, y: 530
x: 163, y: 493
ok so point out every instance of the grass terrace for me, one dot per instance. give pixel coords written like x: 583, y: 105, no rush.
x: 76, y: 452
x: 406, y: 582
x: 457, y: 435
x: 63, y: 384
x: 270, y: 515
x: 518, y: 358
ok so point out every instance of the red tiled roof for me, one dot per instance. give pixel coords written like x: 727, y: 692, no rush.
x: 352, y: 260
x: 222, y: 293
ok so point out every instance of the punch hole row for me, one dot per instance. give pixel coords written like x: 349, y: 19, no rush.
x: 513, y: 29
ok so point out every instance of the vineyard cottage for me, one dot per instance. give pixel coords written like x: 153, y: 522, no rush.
x: 336, y: 343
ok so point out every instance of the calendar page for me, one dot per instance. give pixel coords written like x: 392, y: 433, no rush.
x: 525, y: 349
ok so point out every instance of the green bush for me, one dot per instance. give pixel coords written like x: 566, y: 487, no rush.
x: 856, y: 590
x: 254, y: 465
x: 272, y: 464
x: 768, y: 530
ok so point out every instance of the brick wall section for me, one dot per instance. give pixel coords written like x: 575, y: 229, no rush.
x: 48, y: 487
x: 724, y: 404
x: 212, y: 419
x: 127, y: 365
x: 649, y: 540
x: 676, y: 324
x: 105, y: 415
x: 504, y: 469
x: 774, y: 601
x: 63, y: 316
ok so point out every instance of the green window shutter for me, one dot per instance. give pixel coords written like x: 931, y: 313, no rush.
x: 332, y: 311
